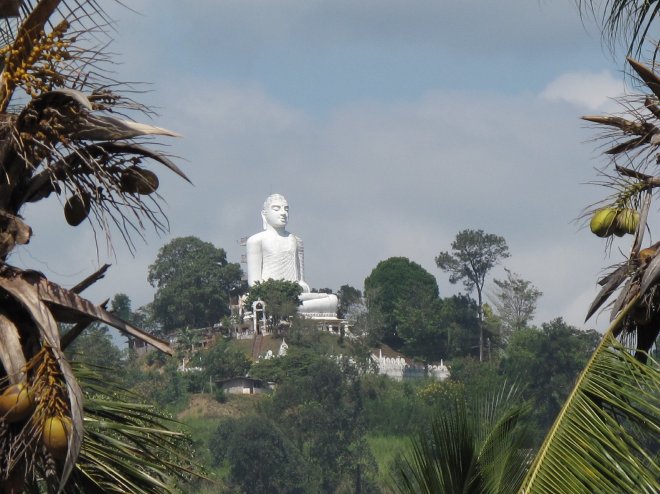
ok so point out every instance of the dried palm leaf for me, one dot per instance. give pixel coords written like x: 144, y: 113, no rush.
x: 627, y: 145
x: 644, y: 129
x: 648, y: 76
x: 611, y: 283
x: 11, y: 351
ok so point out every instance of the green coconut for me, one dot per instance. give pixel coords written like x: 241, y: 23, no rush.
x: 603, y: 222
x: 627, y: 221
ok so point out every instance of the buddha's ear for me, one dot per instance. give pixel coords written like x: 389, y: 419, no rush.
x: 264, y: 223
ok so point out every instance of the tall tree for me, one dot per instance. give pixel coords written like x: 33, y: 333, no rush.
x: 193, y: 283
x: 474, y: 254
x: 460, y: 320
x: 395, y: 283
x: 515, y: 301
x: 263, y: 460
x: 121, y: 306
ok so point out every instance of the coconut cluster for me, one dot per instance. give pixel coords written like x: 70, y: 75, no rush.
x: 614, y: 221
x: 18, y: 404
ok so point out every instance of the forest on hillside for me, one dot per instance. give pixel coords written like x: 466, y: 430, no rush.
x: 332, y: 424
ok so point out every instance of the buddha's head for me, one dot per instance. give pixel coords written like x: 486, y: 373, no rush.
x: 275, y: 212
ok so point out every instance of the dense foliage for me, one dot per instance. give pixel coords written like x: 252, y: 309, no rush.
x: 348, y: 296
x: 280, y: 297
x: 395, y: 283
x: 546, y: 362
x: 262, y: 459
x: 326, y: 413
x: 193, y: 282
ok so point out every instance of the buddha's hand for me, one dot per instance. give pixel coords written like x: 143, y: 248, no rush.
x: 304, y: 286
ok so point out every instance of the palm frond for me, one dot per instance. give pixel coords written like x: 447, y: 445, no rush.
x: 605, y: 438
x: 129, y: 446
x: 628, y: 20
x: 474, y: 448
x: 503, y: 457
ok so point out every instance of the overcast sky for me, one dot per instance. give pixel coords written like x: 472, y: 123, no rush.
x: 389, y: 125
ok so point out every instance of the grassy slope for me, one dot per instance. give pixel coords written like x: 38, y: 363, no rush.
x: 204, y: 413
x: 201, y: 418
x: 386, y: 449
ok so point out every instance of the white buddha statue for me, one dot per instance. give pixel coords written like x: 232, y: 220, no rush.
x: 279, y: 255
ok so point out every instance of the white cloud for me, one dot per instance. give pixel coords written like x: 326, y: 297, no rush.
x: 591, y: 90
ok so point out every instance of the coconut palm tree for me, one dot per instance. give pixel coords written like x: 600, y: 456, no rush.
x: 62, y: 139
x: 605, y: 438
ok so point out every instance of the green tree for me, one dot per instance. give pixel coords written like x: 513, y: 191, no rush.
x: 393, y: 407
x: 477, y: 378
x: 121, y: 306
x: 221, y: 361
x: 193, y: 282
x: 348, y: 296
x: 460, y: 320
x: 515, y: 301
x: 421, y: 328
x: 366, y: 323
x: 95, y: 349
x: 319, y: 406
x: 546, y: 363
x: 144, y: 318
x: 263, y: 460
x: 293, y: 366
x: 395, y: 283
x: 281, y: 298
x: 474, y: 254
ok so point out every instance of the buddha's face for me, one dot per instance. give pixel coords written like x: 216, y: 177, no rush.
x: 277, y: 213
